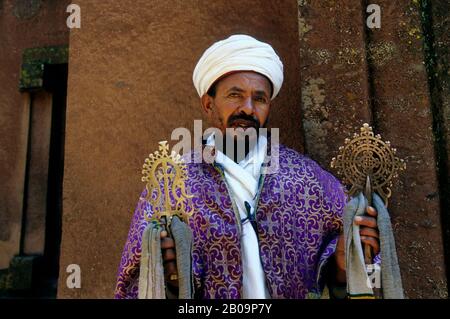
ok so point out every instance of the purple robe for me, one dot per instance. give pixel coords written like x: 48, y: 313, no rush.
x: 299, y: 217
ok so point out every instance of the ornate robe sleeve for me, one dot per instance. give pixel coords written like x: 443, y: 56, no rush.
x: 128, y: 275
x: 332, y: 203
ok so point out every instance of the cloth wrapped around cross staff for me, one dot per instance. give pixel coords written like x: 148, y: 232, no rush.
x: 368, y: 166
x: 164, y: 175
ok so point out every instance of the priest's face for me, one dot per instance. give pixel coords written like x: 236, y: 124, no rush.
x: 239, y: 100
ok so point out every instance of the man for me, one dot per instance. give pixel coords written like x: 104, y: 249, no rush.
x: 254, y: 235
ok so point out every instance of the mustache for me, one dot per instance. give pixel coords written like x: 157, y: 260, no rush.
x: 243, y: 117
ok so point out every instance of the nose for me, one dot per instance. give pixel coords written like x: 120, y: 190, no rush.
x: 247, y: 106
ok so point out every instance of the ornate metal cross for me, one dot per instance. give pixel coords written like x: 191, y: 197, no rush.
x: 367, y: 164
x: 367, y: 157
x: 165, y: 175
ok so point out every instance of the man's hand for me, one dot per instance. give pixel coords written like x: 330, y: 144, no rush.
x: 369, y: 235
x: 169, y: 260
x: 369, y: 229
x: 339, y: 257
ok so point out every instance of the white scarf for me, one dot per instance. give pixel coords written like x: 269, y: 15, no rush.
x: 243, y: 180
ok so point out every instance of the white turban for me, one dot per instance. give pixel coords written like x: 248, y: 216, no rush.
x: 238, y: 53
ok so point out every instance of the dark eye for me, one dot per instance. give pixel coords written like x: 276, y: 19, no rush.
x: 261, y: 99
x: 234, y: 94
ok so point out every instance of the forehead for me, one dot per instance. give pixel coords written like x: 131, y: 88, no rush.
x: 245, y: 80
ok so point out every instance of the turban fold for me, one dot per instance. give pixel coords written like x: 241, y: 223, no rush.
x: 237, y: 53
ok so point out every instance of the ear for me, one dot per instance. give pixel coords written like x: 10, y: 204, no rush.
x: 207, y: 104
